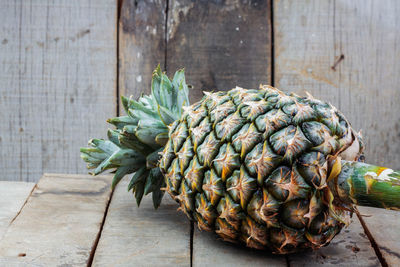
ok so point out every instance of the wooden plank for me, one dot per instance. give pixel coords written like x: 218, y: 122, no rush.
x: 385, y: 229
x: 57, y: 83
x: 221, y: 44
x: 350, y: 248
x: 13, y: 197
x: 208, y: 251
x: 311, y: 37
x: 59, y: 223
x: 143, y: 236
x: 141, y: 44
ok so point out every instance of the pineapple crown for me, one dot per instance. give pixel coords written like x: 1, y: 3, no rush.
x: 134, y: 145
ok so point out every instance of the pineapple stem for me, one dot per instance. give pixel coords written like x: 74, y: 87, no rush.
x: 368, y: 185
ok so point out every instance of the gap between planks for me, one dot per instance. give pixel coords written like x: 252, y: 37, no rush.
x: 374, y: 245
x: 96, y: 242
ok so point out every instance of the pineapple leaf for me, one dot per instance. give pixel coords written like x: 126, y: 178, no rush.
x: 166, y: 116
x: 94, y: 153
x: 132, y: 142
x: 141, y: 174
x: 179, y: 83
x: 139, y: 190
x: 142, y: 112
x: 125, y: 103
x: 139, y: 136
x: 121, y: 122
x: 153, y: 158
x: 153, y: 180
x: 127, y: 156
x: 113, y: 136
x: 148, y: 136
x: 120, y: 173
x: 104, y: 145
x: 157, y: 197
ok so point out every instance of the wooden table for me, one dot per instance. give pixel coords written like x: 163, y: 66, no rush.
x: 75, y: 220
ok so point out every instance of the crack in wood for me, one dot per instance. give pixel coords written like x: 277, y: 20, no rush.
x: 23, y: 205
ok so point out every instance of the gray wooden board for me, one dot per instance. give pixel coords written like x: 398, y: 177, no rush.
x: 59, y: 223
x: 384, y: 227
x: 220, y: 44
x: 209, y: 251
x: 13, y: 197
x: 143, y: 236
x: 57, y: 83
x: 349, y: 248
x: 141, y: 44
x: 310, y: 36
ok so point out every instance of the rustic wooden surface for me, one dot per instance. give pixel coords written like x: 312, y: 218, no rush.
x: 143, y: 236
x: 221, y: 44
x: 59, y: 223
x: 311, y: 37
x: 350, y: 248
x: 11, y: 201
x: 63, y: 217
x: 383, y: 226
x: 141, y: 44
x: 57, y: 83
x: 210, y: 251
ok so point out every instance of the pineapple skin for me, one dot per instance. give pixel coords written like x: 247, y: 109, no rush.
x: 252, y: 165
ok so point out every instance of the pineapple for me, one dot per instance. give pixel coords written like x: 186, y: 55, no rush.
x: 259, y: 167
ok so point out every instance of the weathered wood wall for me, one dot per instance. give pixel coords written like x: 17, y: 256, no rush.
x: 58, y: 75
x: 57, y: 83
x: 346, y: 52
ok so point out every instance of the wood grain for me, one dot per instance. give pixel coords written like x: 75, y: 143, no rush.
x: 141, y: 44
x: 385, y: 229
x: 209, y: 251
x: 349, y: 248
x: 57, y: 83
x: 13, y: 197
x: 345, y: 52
x: 220, y: 44
x: 59, y: 223
x: 143, y: 236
